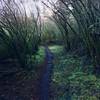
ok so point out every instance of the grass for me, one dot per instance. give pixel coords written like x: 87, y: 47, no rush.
x: 40, y: 56
x: 70, y: 81
x: 38, y: 60
x: 56, y: 49
x: 34, y: 64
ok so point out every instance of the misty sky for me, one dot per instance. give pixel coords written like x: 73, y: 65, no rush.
x: 29, y: 5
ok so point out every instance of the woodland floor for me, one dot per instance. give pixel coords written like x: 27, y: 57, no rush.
x: 59, y: 76
x: 71, y: 78
x: 24, y: 86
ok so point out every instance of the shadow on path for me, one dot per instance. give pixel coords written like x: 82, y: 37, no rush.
x: 46, y: 78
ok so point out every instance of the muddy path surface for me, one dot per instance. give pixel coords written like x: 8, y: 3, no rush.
x: 46, y: 78
x: 37, y: 88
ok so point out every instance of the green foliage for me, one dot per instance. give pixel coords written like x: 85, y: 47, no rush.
x: 79, y: 23
x: 50, y: 32
x: 84, y: 86
x: 56, y: 49
x: 19, y: 35
x: 40, y: 56
x: 69, y: 79
x: 36, y: 59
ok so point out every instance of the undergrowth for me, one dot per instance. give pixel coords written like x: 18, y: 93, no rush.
x: 69, y: 81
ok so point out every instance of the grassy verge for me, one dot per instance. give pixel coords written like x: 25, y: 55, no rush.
x: 38, y: 61
x: 40, y: 56
x: 69, y: 81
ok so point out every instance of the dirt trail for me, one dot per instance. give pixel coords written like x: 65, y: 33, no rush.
x: 46, y: 79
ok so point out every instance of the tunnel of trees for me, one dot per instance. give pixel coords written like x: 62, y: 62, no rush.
x: 71, y: 34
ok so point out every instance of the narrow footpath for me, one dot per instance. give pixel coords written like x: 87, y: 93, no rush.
x: 46, y: 79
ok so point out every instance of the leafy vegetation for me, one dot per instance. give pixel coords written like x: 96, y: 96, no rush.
x: 19, y: 38
x: 72, y: 33
x: 79, y: 23
x: 21, y: 56
x: 40, y: 56
x: 69, y: 81
x: 51, y: 33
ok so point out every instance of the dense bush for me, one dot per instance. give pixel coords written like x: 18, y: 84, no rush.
x: 19, y: 38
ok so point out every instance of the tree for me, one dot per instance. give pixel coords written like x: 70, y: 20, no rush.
x: 85, y: 14
x: 18, y: 33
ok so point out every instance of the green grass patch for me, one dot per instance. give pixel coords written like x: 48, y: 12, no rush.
x: 40, y: 56
x: 68, y: 75
x: 56, y: 49
x: 35, y: 61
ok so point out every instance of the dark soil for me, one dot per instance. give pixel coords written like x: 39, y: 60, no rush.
x: 20, y: 87
x: 46, y: 78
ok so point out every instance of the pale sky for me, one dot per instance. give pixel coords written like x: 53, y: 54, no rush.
x: 44, y: 11
x: 30, y: 5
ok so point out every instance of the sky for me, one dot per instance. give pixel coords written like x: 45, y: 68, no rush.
x: 30, y: 6
x: 44, y: 11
